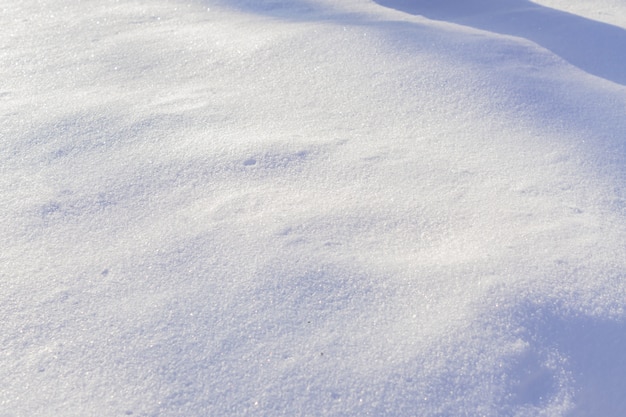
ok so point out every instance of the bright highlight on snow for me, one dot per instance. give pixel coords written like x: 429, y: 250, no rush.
x: 312, y: 208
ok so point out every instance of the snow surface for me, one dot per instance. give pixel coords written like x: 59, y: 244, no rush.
x: 312, y: 208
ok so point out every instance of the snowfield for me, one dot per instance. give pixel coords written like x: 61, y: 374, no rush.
x: 312, y: 208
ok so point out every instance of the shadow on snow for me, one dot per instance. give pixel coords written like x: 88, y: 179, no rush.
x: 592, y: 46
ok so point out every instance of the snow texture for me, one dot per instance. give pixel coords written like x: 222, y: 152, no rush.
x: 312, y: 208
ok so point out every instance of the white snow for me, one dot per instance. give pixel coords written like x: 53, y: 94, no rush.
x: 312, y: 208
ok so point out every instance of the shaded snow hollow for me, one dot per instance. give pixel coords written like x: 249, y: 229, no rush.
x: 312, y: 208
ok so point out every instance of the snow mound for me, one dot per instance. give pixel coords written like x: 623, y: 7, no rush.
x: 281, y: 208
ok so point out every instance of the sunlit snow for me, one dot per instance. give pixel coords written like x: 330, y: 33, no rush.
x: 312, y: 208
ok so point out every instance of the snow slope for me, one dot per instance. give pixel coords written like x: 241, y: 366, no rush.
x: 304, y: 208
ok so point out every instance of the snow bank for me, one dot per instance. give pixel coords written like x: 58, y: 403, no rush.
x: 303, y: 208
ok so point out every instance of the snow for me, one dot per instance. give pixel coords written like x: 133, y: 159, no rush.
x: 312, y: 208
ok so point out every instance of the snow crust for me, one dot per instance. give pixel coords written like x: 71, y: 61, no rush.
x: 304, y: 208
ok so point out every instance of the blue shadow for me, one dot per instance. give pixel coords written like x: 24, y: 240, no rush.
x: 595, y: 47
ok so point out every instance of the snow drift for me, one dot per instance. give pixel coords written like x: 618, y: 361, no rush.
x: 302, y: 208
